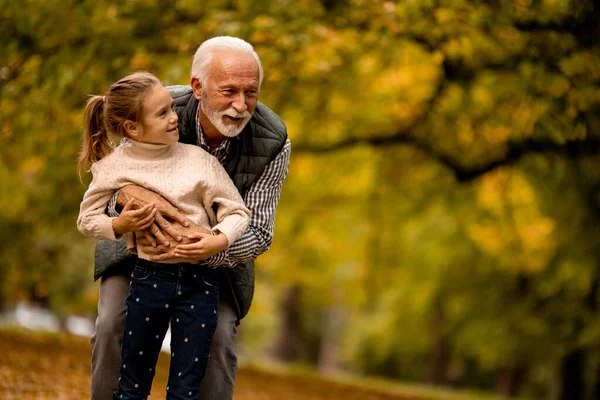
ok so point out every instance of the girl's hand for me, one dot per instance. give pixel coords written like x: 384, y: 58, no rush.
x: 207, y: 246
x: 204, y: 245
x: 132, y: 220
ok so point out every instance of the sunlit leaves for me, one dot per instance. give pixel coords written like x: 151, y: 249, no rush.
x: 515, y: 233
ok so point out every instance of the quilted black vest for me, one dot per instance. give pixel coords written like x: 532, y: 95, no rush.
x: 255, y: 147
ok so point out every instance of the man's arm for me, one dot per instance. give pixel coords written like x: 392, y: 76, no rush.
x: 262, y: 199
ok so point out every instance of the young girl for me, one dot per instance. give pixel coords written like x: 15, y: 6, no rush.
x: 139, y: 108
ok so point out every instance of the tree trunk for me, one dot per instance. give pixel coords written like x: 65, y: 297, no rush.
x: 571, y: 376
x: 329, y: 347
x: 595, y: 389
x: 290, y: 345
x: 510, y: 381
x: 439, y: 358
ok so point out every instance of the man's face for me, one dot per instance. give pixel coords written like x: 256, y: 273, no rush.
x: 231, y: 92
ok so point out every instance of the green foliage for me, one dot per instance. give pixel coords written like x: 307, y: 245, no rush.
x: 444, y: 185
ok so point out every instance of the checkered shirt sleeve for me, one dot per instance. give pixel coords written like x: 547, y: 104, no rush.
x: 111, y: 208
x: 261, y: 199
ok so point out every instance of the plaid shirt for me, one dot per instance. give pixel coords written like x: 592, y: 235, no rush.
x: 261, y: 199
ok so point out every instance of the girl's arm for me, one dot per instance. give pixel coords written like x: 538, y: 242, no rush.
x: 93, y: 221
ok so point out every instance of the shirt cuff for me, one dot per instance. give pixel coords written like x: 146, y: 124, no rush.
x: 111, y: 208
x: 219, y: 260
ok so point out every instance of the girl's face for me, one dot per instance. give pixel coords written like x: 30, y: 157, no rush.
x: 159, y: 119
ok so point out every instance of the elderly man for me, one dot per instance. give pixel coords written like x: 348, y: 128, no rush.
x: 219, y: 112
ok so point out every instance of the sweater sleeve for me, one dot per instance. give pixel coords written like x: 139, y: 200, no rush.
x: 231, y: 213
x: 92, y: 220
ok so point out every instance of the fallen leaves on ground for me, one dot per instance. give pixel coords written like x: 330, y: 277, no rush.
x: 40, y: 366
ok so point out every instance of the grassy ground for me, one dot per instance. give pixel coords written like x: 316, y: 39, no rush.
x: 42, y: 366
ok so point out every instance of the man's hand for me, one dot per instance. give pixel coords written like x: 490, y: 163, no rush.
x: 161, y: 229
x: 131, y: 220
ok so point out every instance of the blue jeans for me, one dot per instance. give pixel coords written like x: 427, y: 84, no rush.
x: 187, y: 296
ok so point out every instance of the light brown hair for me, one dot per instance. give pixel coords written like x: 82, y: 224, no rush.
x: 104, y: 116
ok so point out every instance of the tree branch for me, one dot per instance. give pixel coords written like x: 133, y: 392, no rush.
x: 586, y: 29
x: 515, y: 151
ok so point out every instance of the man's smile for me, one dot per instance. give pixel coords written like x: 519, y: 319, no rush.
x: 233, y: 119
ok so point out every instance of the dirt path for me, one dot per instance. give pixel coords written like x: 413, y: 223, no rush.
x: 35, y: 366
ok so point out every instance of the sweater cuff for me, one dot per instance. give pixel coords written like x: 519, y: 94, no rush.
x: 229, y: 228
x: 106, y: 229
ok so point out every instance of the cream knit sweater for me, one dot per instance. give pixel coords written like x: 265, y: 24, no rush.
x: 187, y: 176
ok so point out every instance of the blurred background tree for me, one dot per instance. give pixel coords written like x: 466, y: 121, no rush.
x: 441, y: 218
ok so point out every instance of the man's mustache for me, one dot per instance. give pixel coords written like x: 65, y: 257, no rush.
x: 230, y: 112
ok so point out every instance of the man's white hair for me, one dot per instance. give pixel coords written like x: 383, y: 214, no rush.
x: 204, y: 55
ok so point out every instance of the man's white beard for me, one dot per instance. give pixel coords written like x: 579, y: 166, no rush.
x: 216, y: 118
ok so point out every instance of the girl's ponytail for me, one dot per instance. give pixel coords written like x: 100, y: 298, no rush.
x: 96, y: 142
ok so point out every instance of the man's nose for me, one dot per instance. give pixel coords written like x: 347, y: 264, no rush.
x: 239, y: 102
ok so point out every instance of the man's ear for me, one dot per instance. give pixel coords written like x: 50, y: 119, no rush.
x: 196, y: 87
x: 131, y: 128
